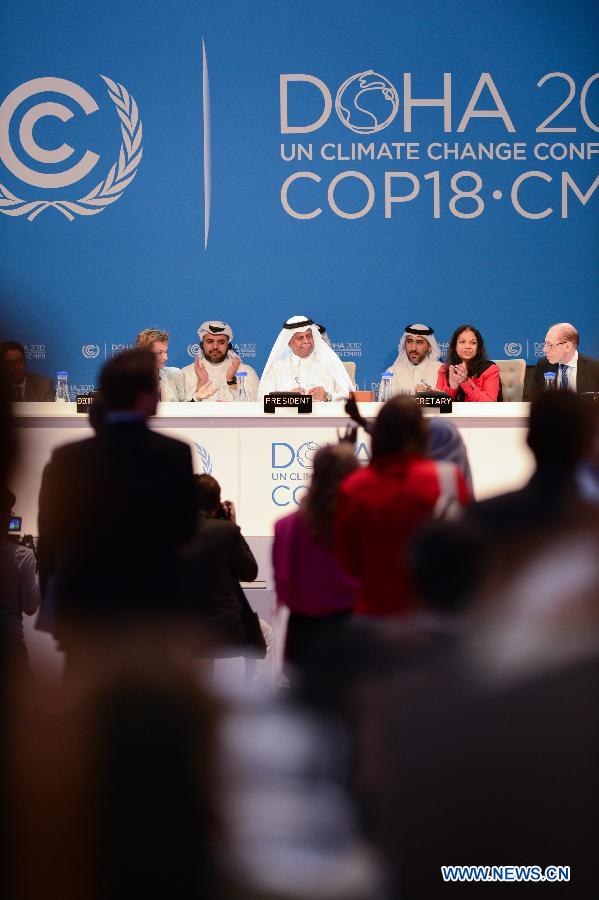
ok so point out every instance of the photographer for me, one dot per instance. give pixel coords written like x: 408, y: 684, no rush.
x: 214, y: 562
x: 20, y: 592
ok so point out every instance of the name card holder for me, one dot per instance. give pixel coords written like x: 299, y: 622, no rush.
x: 84, y: 401
x: 288, y: 400
x: 436, y: 399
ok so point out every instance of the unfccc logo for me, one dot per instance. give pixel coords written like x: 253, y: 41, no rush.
x: 513, y: 348
x: 193, y: 350
x: 108, y: 190
x: 90, y: 351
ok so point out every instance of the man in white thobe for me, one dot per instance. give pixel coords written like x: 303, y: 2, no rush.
x: 217, y: 366
x: 302, y: 362
x: 418, y: 361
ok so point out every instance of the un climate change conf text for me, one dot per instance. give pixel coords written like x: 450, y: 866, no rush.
x: 466, y: 196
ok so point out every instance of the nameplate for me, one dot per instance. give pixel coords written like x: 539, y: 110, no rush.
x: 84, y: 401
x: 442, y: 402
x: 288, y: 400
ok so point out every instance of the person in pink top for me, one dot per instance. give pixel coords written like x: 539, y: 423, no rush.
x: 469, y: 376
x: 308, y: 578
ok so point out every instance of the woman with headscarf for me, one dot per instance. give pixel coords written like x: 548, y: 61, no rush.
x: 445, y: 443
x: 469, y: 376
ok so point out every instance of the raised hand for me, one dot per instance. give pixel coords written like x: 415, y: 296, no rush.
x: 232, y: 370
x: 201, y: 373
x: 462, y: 371
x: 205, y: 391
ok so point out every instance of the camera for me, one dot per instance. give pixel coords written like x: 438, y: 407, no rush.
x: 224, y: 510
x: 14, y: 525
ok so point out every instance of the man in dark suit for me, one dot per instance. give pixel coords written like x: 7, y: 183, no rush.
x: 24, y: 385
x: 115, y: 508
x: 573, y: 370
x: 560, y: 435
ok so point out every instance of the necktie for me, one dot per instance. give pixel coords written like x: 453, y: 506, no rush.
x: 563, y: 376
x: 16, y: 393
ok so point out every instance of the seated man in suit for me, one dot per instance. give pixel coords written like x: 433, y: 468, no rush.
x: 573, y: 370
x: 24, y: 385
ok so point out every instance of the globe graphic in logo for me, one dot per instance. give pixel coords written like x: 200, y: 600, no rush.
x: 305, y: 454
x: 367, y: 102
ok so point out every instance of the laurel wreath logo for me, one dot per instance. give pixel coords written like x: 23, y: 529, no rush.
x: 205, y: 457
x: 513, y: 348
x: 90, y: 351
x: 106, y: 192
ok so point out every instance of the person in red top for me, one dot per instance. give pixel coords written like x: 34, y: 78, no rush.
x: 381, y: 507
x: 308, y: 579
x: 468, y: 376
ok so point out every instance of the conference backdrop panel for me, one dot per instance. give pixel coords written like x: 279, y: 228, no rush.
x: 366, y: 164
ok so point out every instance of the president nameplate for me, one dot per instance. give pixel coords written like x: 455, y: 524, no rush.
x: 288, y: 400
x: 435, y: 400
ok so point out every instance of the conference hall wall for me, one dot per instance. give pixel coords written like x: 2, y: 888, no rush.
x: 367, y: 164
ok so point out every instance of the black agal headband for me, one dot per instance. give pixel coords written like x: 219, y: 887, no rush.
x: 304, y: 324
x: 420, y: 331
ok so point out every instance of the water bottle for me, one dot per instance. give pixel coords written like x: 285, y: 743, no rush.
x: 242, y: 392
x: 550, y: 381
x: 62, y: 387
x: 385, y: 387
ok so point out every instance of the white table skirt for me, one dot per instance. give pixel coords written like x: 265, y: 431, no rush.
x: 263, y: 462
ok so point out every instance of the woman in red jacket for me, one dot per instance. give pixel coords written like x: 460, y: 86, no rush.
x: 381, y: 508
x: 468, y: 376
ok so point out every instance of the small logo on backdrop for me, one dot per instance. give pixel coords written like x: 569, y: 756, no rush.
x: 107, y: 191
x: 75, y: 389
x: 513, y: 348
x: 90, y: 351
x: 367, y: 102
x: 205, y: 458
x: 35, y: 351
x: 193, y: 350
x: 246, y: 351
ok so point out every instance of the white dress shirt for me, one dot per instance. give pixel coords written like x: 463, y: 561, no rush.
x: 571, y: 370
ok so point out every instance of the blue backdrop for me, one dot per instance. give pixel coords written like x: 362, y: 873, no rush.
x: 203, y: 231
